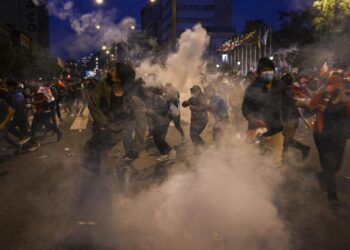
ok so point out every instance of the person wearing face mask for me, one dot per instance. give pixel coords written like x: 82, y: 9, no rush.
x: 332, y: 108
x: 114, y: 105
x: 262, y: 107
x: 199, y: 115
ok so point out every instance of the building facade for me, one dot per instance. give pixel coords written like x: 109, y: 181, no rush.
x: 214, y: 15
x: 27, y: 18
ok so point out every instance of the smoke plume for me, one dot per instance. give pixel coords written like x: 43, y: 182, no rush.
x: 183, y: 67
x: 92, y: 30
x: 224, y: 202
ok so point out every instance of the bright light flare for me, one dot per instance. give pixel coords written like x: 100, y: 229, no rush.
x: 99, y: 2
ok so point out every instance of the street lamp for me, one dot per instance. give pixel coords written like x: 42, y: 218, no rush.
x: 133, y: 27
x: 104, y: 47
x: 99, y: 2
x: 98, y: 27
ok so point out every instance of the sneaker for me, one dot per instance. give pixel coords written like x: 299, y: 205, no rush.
x: 172, y: 155
x: 184, y: 140
x: 24, y: 140
x: 59, y: 136
x: 33, y: 147
x: 163, y: 158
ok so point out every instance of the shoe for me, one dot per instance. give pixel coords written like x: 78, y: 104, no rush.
x: 33, y: 147
x: 24, y: 140
x: 172, y: 155
x: 59, y: 136
x: 305, y: 152
x: 184, y: 140
x: 163, y: 158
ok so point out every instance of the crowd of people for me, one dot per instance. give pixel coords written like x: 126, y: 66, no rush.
x: 29, y: 109
x: 126, y: 110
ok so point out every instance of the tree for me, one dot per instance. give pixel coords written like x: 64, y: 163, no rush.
x: 297, y: 29
x: 332, y: 15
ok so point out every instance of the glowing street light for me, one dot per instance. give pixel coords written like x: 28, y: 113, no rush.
x: 107, y: 52
x: 238, y: 63
x: 271, y: 58
x: 98, y: 27
x: 104, y: 47
x: 133, y: 27
x: 99, y: 2
x: 152, y: 1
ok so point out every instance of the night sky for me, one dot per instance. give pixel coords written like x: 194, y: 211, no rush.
x: 242, y: 10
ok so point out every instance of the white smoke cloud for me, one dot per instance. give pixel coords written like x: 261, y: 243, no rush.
x: 88, y: 37
x: 224, y: 202
x: 183, y: 67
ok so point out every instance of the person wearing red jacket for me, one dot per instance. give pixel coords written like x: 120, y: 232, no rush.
x: 332, y: 109
x: 42, y: 116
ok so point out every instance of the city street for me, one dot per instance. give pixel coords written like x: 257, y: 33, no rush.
x: 49, y: 201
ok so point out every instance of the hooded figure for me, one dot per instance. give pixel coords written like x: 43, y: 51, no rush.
x: 332, y: 109
x: 199, y: 114
x: 262, y: 107
x: 114, y: 105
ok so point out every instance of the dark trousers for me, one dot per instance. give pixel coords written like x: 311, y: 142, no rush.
x: 290, y: 128
x: 19, y: 127
x: 159, y: 137
x: 58, y: 110
x: 98, y: 146
x: 196, y: 129
x: 218, y: 129
x: 177, y: 123
x: 42, y: 118
x: 331, y: 148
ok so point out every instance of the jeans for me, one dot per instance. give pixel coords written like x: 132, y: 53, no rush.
x: 19, y: 127
x: 331, y: 148
x: 196, y: 128
x: 177, y: 122
x: 159, y: 138
x: 42, y: 118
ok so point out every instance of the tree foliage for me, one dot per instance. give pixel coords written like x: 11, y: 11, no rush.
x: 332, y: 15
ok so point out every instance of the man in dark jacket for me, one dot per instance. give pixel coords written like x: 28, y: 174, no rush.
x: 262, y: 107
x: 159, y: 115
x: 19, y: 124
x: 172, y: 95
x: 112, y: 106
x: 199, y: 115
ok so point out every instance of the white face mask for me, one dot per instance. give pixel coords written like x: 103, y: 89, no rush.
x: 267, y: 76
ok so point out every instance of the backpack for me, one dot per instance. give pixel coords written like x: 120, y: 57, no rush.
x: 174, y: 112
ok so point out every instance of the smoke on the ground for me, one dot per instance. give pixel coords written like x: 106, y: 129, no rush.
x: 226, y: 201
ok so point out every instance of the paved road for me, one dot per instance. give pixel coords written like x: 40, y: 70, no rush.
x: 50, y: 201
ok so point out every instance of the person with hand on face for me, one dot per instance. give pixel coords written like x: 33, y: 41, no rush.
x: 113, y: 105
x: 199, y: 115
x: 262, y: 107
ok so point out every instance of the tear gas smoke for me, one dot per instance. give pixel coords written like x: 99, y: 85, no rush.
x: 183, y: 67
x: 225, y: 202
